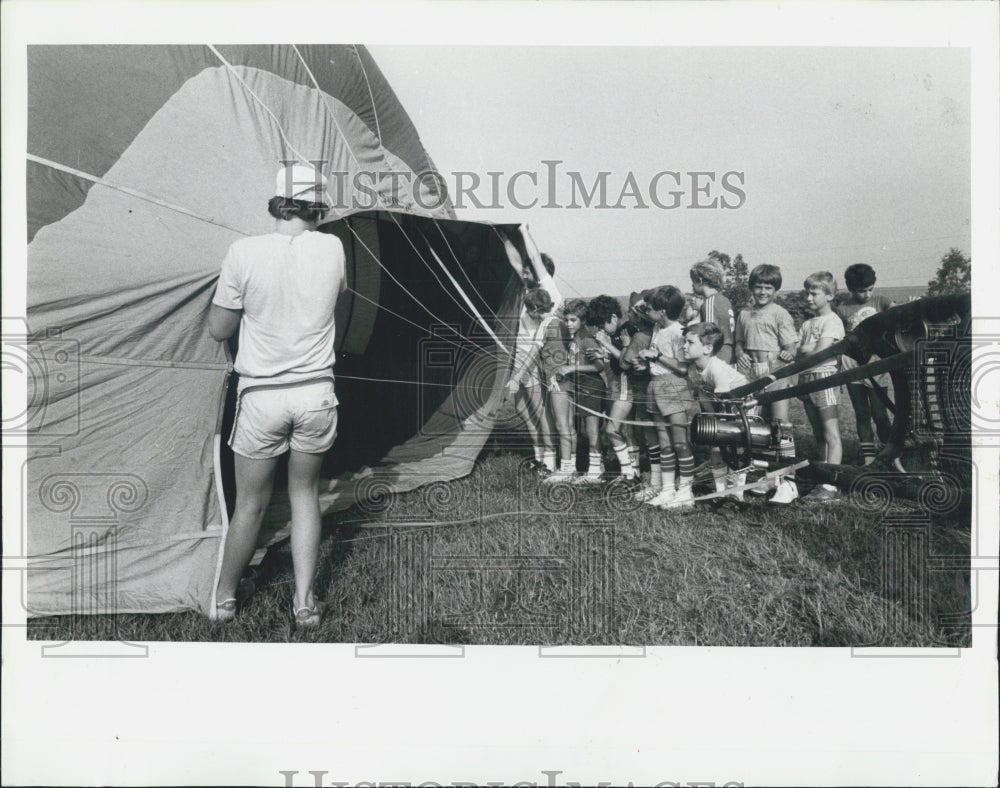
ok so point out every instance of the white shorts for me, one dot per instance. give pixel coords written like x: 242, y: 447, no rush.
x: 824, y: 398
x: 270, y: 420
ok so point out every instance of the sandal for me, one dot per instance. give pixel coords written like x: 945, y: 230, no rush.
x: 307, y: 617
x: 226, y: 610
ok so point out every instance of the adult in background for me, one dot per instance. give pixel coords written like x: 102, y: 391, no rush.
x: 280, y: 290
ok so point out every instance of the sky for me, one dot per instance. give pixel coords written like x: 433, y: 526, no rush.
x: 835, y: 155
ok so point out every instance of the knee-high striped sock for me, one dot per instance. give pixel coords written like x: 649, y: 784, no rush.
x: 685, y: 470
x: 633, y: 455
x: 623, y: 454
x: 868, y: 451
x: 655, y: 469
x: 786, y: 453
x: 668, y: 462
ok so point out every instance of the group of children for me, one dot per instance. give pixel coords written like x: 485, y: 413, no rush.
x: 644, y: 377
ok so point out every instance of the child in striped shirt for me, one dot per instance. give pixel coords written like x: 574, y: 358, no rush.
x: 707, y: 279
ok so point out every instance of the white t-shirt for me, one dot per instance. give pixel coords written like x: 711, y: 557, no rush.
x: 718, y: 377
x: 287, y: 287
x: 669, y: 340
x: 828, y: 326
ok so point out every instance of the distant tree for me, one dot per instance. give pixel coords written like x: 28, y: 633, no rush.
x: 795, y: 302
x: 953, y: 276
x: 735, y: 288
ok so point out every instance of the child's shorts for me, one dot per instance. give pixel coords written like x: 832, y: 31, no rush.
x: 588, y: 391
x: 272, y: 419
x: 668, y: 394
x: 620, y: 389
x: 823, y: 398
x: 638, y: 387
x: 760, y: 369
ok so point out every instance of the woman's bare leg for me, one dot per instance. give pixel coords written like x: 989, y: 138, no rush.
x: 254, y: 481
x: 303, y: 493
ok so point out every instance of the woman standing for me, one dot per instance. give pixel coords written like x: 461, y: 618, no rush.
x: 280, y: 291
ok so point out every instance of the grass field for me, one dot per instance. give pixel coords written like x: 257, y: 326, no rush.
x: 495, y: 559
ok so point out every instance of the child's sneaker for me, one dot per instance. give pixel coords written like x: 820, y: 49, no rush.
x: 646, y: 493
x: 587, y: 479
x: 561, y: 475
x: 683, y: 498
x: 821, y: 494
x: 662, y: 500
x: 786, y: 492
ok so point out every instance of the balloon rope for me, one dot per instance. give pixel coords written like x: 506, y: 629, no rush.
x: 427, y: 265
x: 409, y: 382
x: 364, y: 73
x: 333, y: 118
x: 461, y: 267
x: 461, y: 292
x: 420, y: 256
x: 131, y: 192
x: 605, y: 416
x: 257, y: 98
x: 402, y: 287
x: 192, y: 214
x: 426, y: 330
